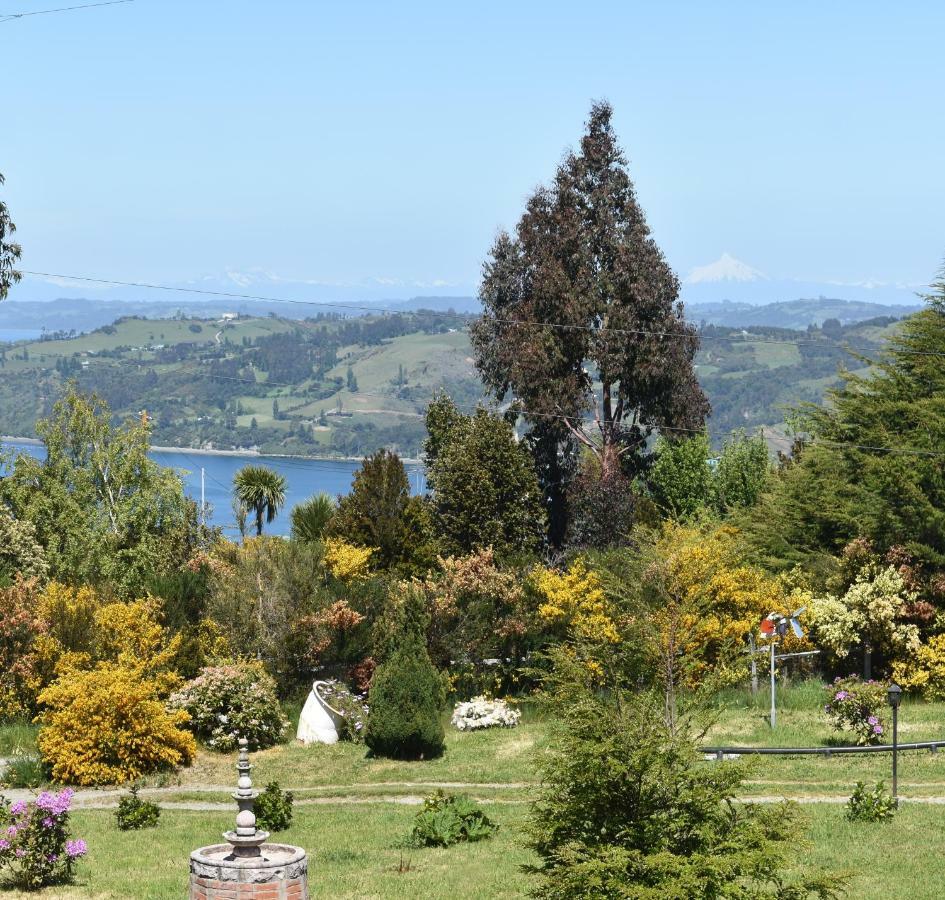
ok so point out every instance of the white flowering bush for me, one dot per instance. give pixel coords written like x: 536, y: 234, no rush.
x: 868, y: 613
x: 481, y: 712
x: 227, y: 703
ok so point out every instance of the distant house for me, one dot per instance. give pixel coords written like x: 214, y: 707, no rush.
x: 229, y: 317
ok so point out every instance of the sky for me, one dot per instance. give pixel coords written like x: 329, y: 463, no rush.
x: 375, y: 142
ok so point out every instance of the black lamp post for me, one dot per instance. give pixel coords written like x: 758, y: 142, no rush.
x: 894, y: 693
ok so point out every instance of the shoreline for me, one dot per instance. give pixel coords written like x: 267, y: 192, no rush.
x: 249, y: 453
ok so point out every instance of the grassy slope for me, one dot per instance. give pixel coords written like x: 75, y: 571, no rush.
x: 771, y: 370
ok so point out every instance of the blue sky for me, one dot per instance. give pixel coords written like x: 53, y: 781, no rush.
x: 348, y: 142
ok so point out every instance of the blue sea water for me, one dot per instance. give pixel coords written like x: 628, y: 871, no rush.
x: 18, y: 334
x: 304, y: 477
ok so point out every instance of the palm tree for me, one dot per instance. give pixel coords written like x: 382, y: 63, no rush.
x: 261, y: 490
x: 311, y: 516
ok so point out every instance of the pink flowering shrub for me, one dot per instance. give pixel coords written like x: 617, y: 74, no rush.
x: 35, y: 847
x: 854, y: 705
x: 226, y: 703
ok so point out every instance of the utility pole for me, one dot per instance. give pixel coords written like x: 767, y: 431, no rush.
x: 774, y: 712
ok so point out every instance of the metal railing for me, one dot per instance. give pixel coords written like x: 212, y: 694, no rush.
x: 722, y: 752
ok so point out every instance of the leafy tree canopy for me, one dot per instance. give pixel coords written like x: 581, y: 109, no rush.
x: 9, y: 250
x: 485, y: 490
x: 101, y: 509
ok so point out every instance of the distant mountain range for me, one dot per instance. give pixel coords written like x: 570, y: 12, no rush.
x: 727, y: 292
x: 731, y: 279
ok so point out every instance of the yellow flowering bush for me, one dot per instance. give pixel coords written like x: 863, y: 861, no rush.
x: 347, y: 562
x: 576, y: 599
x: 924, y: 670
x: 726, y: 599
x: 107, y: 725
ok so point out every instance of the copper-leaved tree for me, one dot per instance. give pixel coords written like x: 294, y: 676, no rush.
x: 582, y: 323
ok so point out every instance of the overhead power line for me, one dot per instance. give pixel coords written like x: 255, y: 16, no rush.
x: 8, y: 17
x: 564, y: 326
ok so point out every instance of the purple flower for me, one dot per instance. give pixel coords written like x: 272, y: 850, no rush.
x: 877, y: 729
x: 53, y: 857
x: 873, y: 720
x: 20, y: 853
x: 841, y: 695
x: 47, y: 822
x: 11, y: 831
x: 4, y: 844
x: 57, y: 804
x: 76, y: 848
x: 17, y: 807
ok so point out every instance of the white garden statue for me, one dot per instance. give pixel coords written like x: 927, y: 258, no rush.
x: 319, y: 722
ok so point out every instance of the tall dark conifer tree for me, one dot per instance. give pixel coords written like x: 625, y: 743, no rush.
x: 619, y: 350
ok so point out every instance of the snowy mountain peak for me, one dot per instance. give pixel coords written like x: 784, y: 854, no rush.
x: 725, y: 268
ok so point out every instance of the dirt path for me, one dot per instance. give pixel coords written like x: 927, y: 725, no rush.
x: 347, y: 796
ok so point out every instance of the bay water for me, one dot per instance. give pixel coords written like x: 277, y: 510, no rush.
x: 304, y: 478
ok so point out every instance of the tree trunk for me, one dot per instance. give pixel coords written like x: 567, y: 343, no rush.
x: 867, y: 662
x: 609, y: 459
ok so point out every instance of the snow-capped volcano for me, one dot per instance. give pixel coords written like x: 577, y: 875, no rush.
x: 725, y: 268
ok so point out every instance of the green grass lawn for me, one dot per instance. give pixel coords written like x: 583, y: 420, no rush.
x: 352, y: 811
x: 353, y: 853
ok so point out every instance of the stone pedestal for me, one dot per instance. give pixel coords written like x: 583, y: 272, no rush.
x: 279, y: 873
x: 247, y: 866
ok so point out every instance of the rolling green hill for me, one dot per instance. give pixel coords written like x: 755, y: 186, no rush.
x: 341, y: 386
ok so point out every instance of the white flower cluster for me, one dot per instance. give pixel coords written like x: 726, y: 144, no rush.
x: 480, y: 712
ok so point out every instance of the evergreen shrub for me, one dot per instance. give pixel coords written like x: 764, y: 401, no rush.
x: 273, y: 808
x: 405, y: 703
x: 134, y: 813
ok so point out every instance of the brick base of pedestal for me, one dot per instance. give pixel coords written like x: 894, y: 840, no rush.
x: 281, y: 873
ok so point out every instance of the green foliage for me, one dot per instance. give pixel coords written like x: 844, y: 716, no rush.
x: 25, y: 770
x: 311, y: 517
x: 485, y: 490
x: 447, y: 819
x: 680, y: 478
x: 870, y: 804
x: 682, y: 481
x: 273, y: 808
x: 103, y: 511
x: 133, y: 813
x: 260, y: 490
x: 259, y: 592
x: 9, y: 250
x: 741, y: 472
x: 379, y: 512
x: 839, y: 487
x: 406, y: 702
x: 626, y: 811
